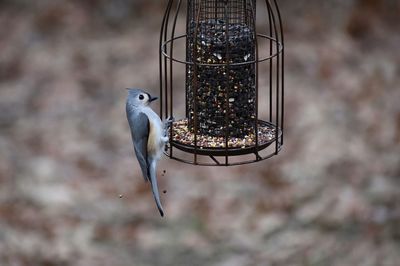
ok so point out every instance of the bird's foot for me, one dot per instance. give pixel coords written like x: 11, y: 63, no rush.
x: 165, y: 139
x: 169, y: 121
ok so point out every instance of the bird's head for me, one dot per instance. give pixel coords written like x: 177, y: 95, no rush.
x: 138, y: 97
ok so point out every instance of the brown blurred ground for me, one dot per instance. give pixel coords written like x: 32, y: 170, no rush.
x: 332, y: 197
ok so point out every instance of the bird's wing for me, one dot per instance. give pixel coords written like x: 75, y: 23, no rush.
x: 140, y: 128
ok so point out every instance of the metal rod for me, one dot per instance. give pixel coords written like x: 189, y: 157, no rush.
x: 227, y: 69
x: 163, y: 34
x: 161, y: 56
x: 195, y: 83
x: 165, y: 58
x: 171, y: 94
x: 187, y: 66
x: 216, y: 10
x: 270, y: 62
x: 277, y: 80
x: 283, y: 69
x: 253, y: 17
x: 215, y: 160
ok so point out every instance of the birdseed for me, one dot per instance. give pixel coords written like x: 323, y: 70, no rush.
x: 182, y: 134
x: 220, y: 93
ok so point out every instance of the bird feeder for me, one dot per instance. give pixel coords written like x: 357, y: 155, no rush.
x: 228, y: 69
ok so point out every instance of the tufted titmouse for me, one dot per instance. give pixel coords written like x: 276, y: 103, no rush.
x: 148, y: 136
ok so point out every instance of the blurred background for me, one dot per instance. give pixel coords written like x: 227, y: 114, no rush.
x: 332, y: 197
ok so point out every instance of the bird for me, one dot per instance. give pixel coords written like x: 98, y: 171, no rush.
x: 149, y: 136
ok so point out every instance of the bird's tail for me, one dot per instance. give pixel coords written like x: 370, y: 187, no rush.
x: 154, y: 188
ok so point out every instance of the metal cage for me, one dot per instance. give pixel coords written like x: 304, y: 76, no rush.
x: 228, y: 69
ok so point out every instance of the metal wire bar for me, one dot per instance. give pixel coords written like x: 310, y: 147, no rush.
x: 282, y: 70
x: 195, y: 86
x: 163, y: 29
x: 253, y: 19
x: 166, y: 59
x: 215, y: 160
x: 227, y: 70
x: 270, y: 63
x: 275, y: 33
x: 171, y: 94
x: 187, y: 67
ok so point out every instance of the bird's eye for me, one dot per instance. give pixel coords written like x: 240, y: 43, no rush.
x: 141, y: 97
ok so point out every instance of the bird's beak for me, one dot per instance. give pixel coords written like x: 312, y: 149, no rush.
x: 152, y: 98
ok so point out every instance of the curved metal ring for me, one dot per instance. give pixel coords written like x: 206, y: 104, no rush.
x: 229, y: 164
x: 223, y: 151
x: 164, y: 48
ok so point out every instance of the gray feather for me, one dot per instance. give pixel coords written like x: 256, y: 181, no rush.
x: 140, y: 133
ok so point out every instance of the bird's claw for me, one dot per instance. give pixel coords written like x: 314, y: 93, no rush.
x: 170, y: 120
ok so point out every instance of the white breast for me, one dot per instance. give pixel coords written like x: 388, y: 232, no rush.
x: 155, y: 145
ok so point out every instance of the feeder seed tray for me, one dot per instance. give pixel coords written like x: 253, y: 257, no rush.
x: 184, y: 139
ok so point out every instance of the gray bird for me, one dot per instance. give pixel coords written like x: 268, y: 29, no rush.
x: 149, y: 136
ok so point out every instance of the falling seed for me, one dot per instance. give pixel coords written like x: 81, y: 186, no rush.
x: 164, y: 191
x: 120, y: 196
